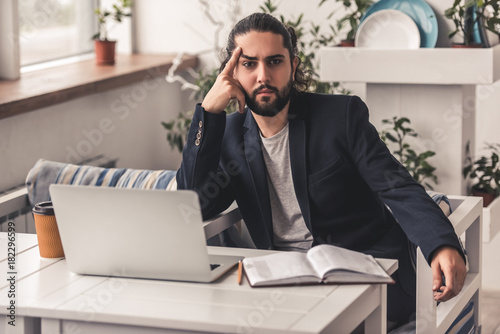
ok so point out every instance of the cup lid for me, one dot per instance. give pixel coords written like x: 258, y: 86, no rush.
x: 44, y: 208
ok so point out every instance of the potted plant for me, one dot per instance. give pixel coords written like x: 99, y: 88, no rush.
x: 485, y: 174
x: 416, y: 164
x: 355, y: 9
x: 469, y: 14
x: 105, y: 48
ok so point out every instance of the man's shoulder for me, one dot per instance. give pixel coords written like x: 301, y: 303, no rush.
x: 318, y: 100
x: 329, y: 104
x: 323, y: 96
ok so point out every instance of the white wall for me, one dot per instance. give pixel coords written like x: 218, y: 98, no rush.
x: 487, y: 131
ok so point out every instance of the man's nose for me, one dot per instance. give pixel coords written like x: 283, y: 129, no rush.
x: 263, y: 74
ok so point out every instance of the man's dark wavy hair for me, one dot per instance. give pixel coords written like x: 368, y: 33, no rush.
x: 263, y: 22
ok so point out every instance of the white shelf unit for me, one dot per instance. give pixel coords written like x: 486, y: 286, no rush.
x: 440, y: 66
x: 434, y: 88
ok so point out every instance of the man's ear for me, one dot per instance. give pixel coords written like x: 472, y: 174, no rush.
x: 294, y: 65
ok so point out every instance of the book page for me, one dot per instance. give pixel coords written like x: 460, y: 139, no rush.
x: 278, y: 268
x: 326, y: 258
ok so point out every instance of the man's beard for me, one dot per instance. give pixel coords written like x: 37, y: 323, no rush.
x: 266, y: 107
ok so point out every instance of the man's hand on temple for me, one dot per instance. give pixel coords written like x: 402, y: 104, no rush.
x: 447, y: 261
x: 225, y: 88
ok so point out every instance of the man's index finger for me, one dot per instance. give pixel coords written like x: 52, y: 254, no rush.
x: 231, y: 64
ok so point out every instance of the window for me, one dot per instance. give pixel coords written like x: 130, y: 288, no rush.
x: 55, y: 29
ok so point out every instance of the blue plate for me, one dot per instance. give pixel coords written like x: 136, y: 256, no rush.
x: 419, y: 11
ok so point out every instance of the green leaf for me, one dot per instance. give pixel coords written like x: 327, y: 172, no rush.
x: 427, y: 154
x: 391, y: 137
x: 401, y: 121
x: 167, y: 126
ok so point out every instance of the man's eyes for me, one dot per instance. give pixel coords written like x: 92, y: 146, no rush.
x: 272, y: 62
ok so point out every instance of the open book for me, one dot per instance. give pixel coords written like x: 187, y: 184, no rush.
x: 321, y: 264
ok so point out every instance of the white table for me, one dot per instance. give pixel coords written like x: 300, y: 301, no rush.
x: 50, y: 299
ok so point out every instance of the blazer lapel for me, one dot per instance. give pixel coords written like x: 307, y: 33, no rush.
x: 298, y: 155
x: 258, y: 173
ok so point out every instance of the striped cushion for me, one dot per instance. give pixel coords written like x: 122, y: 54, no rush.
x: 47, y: 172
x: 464, y: 323
x: 441, y: 200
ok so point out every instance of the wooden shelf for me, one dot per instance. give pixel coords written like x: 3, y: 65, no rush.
x: 47, y: 87
x: 441, y: 66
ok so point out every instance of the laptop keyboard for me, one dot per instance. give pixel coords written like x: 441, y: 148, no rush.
x: 214, y: 266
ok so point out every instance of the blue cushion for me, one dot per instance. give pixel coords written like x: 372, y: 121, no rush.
x: 441, y: 200
x: 45, y: 172
x: 464, y: 323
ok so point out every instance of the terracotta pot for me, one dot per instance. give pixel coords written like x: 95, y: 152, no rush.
x: 347, y: 43
x: 470, y: 46
x: 487, y: 197
x: 104, y: 52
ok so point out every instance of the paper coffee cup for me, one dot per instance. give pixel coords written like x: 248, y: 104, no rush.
x: 49, y: 241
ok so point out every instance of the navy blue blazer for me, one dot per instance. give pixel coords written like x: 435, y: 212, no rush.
x: 344, y: 176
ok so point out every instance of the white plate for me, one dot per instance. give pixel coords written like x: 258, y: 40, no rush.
x: 388, y: 29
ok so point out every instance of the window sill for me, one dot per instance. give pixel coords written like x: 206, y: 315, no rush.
x: 43, y: 88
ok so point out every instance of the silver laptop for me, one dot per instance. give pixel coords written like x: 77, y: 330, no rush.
x: 154, y: 234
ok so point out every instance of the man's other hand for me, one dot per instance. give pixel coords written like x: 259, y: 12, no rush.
x: 447, y: 261
x: 225, y: 88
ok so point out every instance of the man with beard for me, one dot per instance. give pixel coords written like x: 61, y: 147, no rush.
x: 308, y: 169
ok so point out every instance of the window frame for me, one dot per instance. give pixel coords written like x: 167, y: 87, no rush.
x: 90, y: 5
x: 10, y: 55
